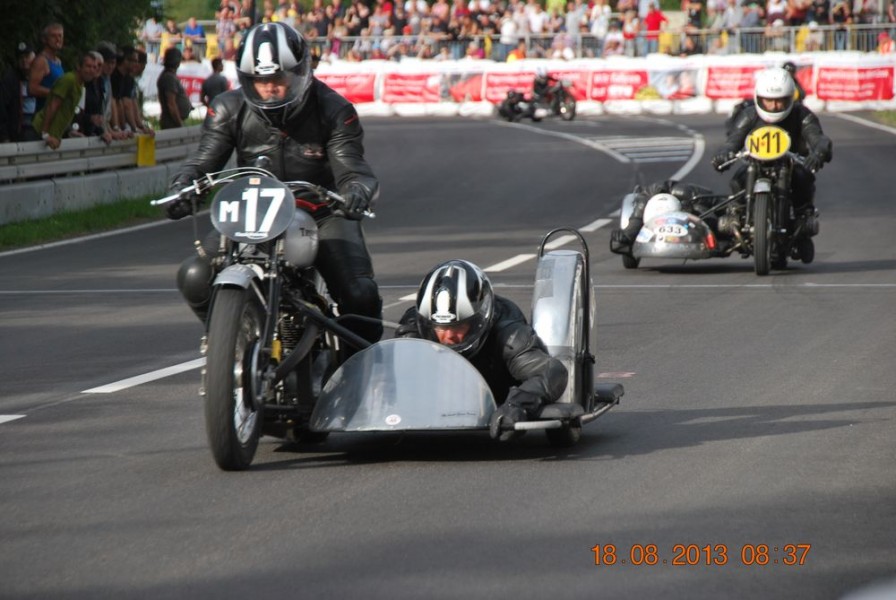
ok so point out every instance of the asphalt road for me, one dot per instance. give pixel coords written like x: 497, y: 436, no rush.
x: 757, y: 424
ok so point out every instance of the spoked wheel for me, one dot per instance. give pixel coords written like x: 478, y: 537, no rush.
x: 567, y: 108
x: 762, y: 247
x: 566, y: 436
x: 233, y: 407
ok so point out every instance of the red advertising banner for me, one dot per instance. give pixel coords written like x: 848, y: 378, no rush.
x: 355, y: 87
x: 730, y: 81
x: 464, y: 87
x: 577, y: 80
x: 193, y: 87
x: 412, y: 87
x: 855, y: 84
x: 616, y: 85
x: 498, y: 83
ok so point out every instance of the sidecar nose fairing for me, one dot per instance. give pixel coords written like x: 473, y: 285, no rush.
x: 404, y: 385
x: 674, y: 235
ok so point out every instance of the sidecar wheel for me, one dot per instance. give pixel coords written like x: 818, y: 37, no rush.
x: 630, y: 262
x: 232, y: 420
x: 564, y: 437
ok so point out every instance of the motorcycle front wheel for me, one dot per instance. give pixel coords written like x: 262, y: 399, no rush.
x: 567, y: 108
x: 232, y: 419
x: 762, y: 247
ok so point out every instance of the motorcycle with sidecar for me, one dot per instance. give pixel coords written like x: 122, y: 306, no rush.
x: 275, y: 344
x: 758, y: 221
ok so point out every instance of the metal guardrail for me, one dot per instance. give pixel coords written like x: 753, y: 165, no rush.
x: 27, y: 161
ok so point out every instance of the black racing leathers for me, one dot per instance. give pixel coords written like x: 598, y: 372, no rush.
x: 320, y: 141
x: 806, y: 138
x: 512, y: 356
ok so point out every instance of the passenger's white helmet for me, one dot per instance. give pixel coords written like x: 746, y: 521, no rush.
x: 660, y: 204
x: 773, y: 84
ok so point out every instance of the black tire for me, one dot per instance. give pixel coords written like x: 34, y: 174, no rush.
x: 630, y: 262
x: 567, y: 107
x: 806, y: 250
x: 762, y: 247
x: 564, y: 437
x: 232, y: 424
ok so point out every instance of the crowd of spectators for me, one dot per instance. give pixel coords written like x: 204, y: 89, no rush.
x: 100, y: 96
x: 355, y: 30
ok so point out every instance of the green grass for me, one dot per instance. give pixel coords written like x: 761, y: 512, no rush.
x: 887, y: 117
x: 105, y: 217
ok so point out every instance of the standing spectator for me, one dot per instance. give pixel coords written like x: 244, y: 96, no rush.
x: 110, y: 107
x: 137, y: 69
x: 54, y: 120
x: 751, y: 19
x: 841, y: 16
x: 215, y: 83
x: 614, y: 42
x: 188, y: 55
x: 694, y: 11
x: 47, y: 66
x: 122, y: 83
x: 226, y: 29
x: 600, y: 16
x: 172, y: 97
x: 885, y: 44
x: 820, y: 12
x: 798, y: 12
x: 775, y: 10
x: 518, y: 53
x: 151, y: 36
x: 16, y: 104
x: 90, y: 119
x: 653, y: 23
x: 175, y: 35
x: 631, y: 31
x: 194, y: 37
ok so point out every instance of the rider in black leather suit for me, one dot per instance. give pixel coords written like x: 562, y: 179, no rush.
x: 310, y: 133
x: 775, y: 104
x: 495, y: 338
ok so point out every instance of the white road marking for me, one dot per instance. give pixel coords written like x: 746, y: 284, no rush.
x: 8, y: 418
x: 865, y: 122
x: 501, y: 266
x: 140, y: 379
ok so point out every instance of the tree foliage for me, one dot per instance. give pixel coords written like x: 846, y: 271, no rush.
x: 86, y: 22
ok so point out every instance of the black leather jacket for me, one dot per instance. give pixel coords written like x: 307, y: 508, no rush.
x: 803, y: 126
x: 513, y: 355
x: 320, y: 141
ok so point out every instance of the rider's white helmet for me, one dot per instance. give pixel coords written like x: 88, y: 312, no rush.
x: 773, y: 94
x: 660, y: 204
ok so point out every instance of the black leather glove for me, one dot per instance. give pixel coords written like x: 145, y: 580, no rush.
x: 357, y: 201
x: 518, y: 405
x: 813, y: 162
x: 719, y: 160
x: 183, y: 206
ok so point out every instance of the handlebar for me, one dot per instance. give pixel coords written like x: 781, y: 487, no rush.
x: 210, y: 180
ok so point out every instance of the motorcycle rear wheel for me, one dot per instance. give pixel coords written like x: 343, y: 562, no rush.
x: 762, y: 247
x: 233, y: 411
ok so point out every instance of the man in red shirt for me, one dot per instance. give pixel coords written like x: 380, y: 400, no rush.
x: 653, y: 21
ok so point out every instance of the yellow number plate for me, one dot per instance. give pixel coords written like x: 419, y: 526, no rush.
x: 768, y: 143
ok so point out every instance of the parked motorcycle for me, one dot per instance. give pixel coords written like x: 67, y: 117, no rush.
x: 758, y: 221
x: 557, y: 101
x: 274, y: 335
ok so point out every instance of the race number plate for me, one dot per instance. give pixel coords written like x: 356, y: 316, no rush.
x: 253, y: 209
x: 672, y: 230
x: 767, y: 143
